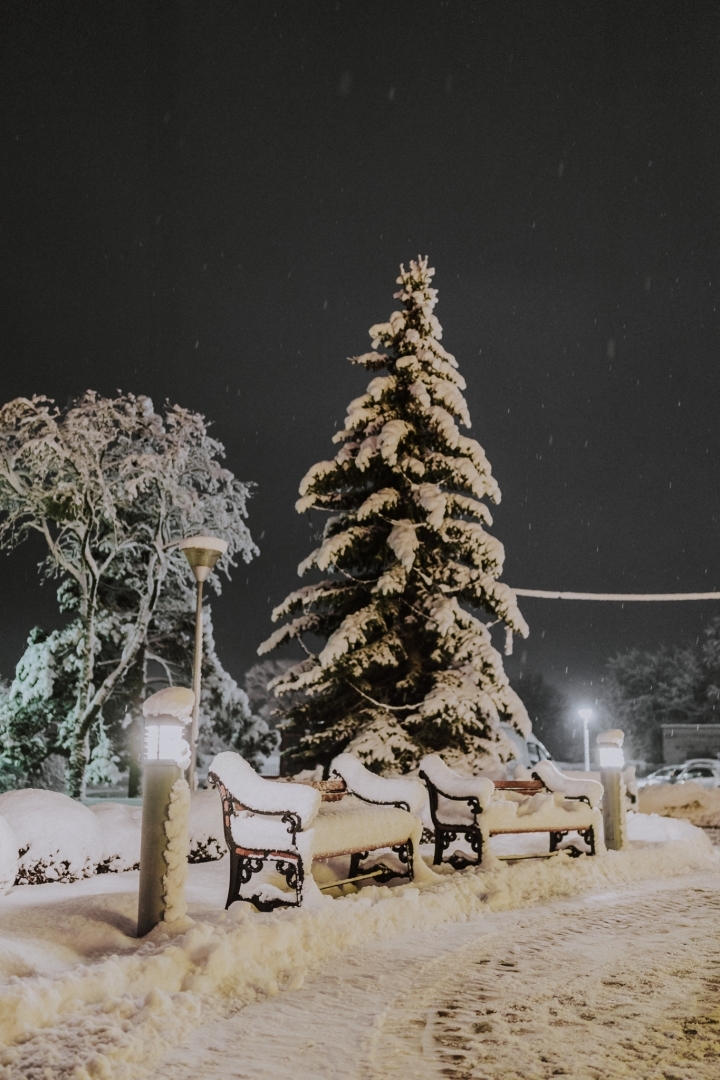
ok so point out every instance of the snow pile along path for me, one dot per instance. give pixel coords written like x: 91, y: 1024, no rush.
x: 688, y: 800
x: 114, y: 1018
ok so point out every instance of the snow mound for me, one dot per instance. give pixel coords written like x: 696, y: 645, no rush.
x: 654, y: 829
x: 688, y: 800
x: 8, y: 856
x: 207, y: 835
x: 120, y: 825
x: 58, y: 839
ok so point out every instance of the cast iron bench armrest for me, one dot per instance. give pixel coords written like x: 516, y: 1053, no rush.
x: 472, y: 801
x: 231, y: 804
x: 401, y: 804
x: 577, y: 798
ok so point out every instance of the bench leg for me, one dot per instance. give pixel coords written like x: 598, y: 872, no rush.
x: 443, y: 839
x: 355, y: 859
x: 475, y: 839
x: 234, y: 878
x: 588, y: 836
x: 556, y: 839
x: 244, y: 867
x: 405, y: 854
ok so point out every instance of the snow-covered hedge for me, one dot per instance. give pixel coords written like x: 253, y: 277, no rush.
x: 120, y: 825
x: 57, y: 838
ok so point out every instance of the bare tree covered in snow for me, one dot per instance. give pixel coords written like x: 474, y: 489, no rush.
x: 406, y: 668
x: 111, y: 485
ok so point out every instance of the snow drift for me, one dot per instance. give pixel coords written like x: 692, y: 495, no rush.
x: 688, y: 800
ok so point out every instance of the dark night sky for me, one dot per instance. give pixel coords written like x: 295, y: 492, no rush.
x: 208, y: 201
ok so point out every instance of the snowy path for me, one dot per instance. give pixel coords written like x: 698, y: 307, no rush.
x: 618, y: 984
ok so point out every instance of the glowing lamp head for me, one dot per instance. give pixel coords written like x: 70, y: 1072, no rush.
x: 166, y: 715
x: 610, y: 752
x: 202, y: 552
x: 586, y: 715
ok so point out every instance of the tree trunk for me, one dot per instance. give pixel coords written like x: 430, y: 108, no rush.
x: 135, y: 739
x: 97, y: 698
x: 79, y: 755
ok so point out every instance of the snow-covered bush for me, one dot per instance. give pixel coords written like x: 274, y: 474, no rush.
x: 8, y: 856
x: 120, y: 825
x: 405, y: 668
x: 58, y: 839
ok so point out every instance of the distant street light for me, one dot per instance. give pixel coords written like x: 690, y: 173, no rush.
x: 586, y: 716
x: 201, y: 552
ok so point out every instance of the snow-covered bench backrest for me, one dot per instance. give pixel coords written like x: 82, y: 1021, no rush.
x: 554, y: 780
x: 378, y: 789
x: 449, y: 782
x: 264, y: 796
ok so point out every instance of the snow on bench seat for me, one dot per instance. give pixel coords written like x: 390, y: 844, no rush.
x: 544, y: 812
x: 340, y: 828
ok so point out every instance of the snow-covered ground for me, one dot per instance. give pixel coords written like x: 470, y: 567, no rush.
x: 618, y: 984
x: 80, y: 997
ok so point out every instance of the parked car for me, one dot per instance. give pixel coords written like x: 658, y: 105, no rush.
x: 666, y: 775
x: 703, y: 771
x: 530, y: 750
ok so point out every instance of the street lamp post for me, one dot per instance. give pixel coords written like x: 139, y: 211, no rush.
x: 201, y: 552
x: 166, y: 713
x: 586, y: 716
x: 611, y: 765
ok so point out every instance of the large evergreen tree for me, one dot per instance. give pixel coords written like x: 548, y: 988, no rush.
x: 405, y: 668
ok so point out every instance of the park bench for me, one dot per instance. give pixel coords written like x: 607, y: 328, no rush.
x: 476, y: 808
x: 287, y: 825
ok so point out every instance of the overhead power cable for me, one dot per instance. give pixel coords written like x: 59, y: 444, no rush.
x: 547, y: 594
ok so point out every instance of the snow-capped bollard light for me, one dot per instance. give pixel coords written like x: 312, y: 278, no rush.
x: 611, y: 765
x: 167, y: 713
x: 201, y: 552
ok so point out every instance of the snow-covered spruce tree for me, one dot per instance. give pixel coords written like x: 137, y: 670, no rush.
x: 406, y: 668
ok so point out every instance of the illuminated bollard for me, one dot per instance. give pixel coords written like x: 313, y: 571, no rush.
x: 611, y: 765
x: 167, y: 753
